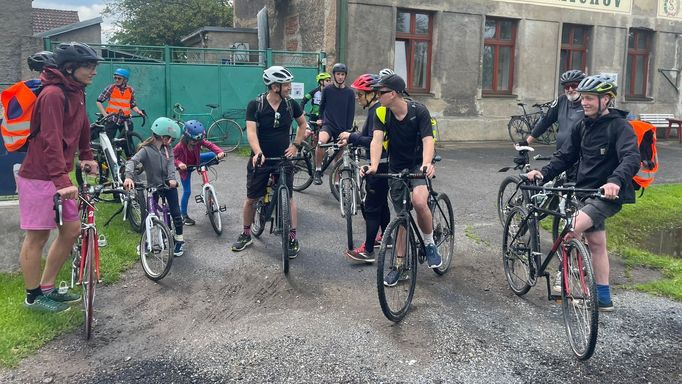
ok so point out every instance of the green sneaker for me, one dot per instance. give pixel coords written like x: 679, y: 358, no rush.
x: 63, y: 296
x: 242, y: 242
x: 43, y: 303
x: 294, y: 247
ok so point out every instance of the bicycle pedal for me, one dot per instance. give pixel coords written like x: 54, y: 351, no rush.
x: 223, y: 208
x: 199, y: 199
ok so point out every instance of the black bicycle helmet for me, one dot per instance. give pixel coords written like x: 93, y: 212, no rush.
x: 39, y: 60
x: 572, y: 76
x: 339, y: 67
x: 75, y: 52
x: 598, y: 85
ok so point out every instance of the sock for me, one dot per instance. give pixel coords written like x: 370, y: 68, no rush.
x: 32, y: 294
x: 247, y: 230
x: 46, y: 289
x: 428, y: 238
x: 604, y: 293
x: 292, y: 234
x: 318, y: 169
x: 179, y: 238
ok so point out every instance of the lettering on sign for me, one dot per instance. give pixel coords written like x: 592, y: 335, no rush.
x: 611, y: 6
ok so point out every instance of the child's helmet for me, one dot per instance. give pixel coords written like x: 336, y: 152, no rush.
x: 39, y: 60
x: 194, y: 130
x: 322, y: 76
x: 164, y: 126
x: 123, y: 73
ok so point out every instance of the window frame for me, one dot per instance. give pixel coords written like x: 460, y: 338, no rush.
x: 496, y: 43
x: 409, y: 38
x: 632, y: 54
x: 587, y: 33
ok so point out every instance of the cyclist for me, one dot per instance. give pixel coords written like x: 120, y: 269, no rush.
x: 385, y: 72
x: 268, y: 125
x: 566, y: 109
x: 40, y: 60
x: 188, y: 151
x: 315, y: 96
x: 408, y: 127
x: 156, y: 156
x: 609, y: 158
x: 121, y: 97
x: 337, y: 110
x: 376, y: 211
x: 58, y: 133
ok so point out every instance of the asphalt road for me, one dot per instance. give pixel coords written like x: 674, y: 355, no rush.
x: 221, y: 316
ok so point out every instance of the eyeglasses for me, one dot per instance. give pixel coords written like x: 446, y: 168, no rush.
x: 571, y: 85
x: 277, y: 116
x: 118, y: 78
x: 360, y: 94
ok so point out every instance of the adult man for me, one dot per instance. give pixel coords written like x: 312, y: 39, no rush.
x: 121, y: 97
x: 609, y: 158
x: 268, y: 125
x: 61, y: 128
x: 337, y: 110
x: 407, y: 127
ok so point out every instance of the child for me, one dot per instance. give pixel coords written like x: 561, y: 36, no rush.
x: 156, y: 157
x: 188, y: 152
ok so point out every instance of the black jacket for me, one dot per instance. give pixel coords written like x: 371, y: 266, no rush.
x: 607, y: 150
x: 567, y: 113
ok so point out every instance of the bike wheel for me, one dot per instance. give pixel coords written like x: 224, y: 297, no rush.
x: 303, y: 169
x: 89, y: 280
x: 335, y: 179
x: 395, y: 300
x: 132, y: 143
x: 508, y: 197
x: 443, y: 231
x: 285, y: 220
x: 549, y: 137
x: 213, y: 212
x: 347, y: 191
x: 516, y: 251
x: 156, y: 252
x: 579, y: 299
x: 258, y: 224
x: 518, y: 129
x: 137, y: 211
x: 225, y: 133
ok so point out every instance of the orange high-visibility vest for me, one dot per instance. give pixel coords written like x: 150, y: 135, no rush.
x: 18, y: 101
x: 120, y: 100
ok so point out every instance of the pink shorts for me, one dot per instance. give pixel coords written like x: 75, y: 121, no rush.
x: 36, y: 205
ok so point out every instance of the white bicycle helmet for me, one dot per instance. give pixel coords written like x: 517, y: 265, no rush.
x: 277, y: 74
x: 385, y: 72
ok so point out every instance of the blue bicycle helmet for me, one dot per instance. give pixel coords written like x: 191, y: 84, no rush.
x: 194, y: 130
x: 123, y: 73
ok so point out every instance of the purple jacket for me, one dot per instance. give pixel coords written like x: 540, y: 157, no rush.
x: 183, y: 154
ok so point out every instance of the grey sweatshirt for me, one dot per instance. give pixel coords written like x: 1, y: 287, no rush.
x: 158, y: 164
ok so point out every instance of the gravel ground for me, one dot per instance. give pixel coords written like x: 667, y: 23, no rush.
x: 221, y: 316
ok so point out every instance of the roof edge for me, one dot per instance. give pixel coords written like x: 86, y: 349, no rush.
x: 69, y: 27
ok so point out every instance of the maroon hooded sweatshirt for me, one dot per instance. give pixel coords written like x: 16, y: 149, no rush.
x: 63, y: 130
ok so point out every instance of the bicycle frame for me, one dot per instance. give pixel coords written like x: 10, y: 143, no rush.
x: 351, y: 164
x: 155, y: 205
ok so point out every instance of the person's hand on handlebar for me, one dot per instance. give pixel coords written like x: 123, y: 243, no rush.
x: 368, y: 170
x: 429, y: 170
x: 534, y: 174
x: 128, y: 184
x: 610, y: 190
x: 220, y: 155
x: 258, y: 160
x: 68, y: 193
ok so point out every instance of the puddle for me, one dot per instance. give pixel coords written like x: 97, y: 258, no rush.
x: 665, y: 242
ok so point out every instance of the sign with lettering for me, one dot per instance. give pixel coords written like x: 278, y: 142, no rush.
x: 297, y: 91
x: 611, y: 6
x: 669, y: 9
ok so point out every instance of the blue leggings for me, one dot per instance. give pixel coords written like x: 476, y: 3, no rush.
x: 187, y: 182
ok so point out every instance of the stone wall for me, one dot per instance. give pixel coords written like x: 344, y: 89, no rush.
x: 14, y: 31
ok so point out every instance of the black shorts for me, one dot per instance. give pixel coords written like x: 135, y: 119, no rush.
x: 599, y: 210
x: 397, y: 188
x: 257, y: 180
x: 333, y: 133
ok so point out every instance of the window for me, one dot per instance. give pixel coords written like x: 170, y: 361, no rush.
x: 637, y: 70
x: 574, y: 43
x: 413, y: 49
x: 498, y: 55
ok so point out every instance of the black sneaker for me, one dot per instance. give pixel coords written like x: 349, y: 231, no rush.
x: 317, y: 178
x: 605, y: 306
x: 186, y: 220
x: 242, y: 242
x: 294, y: 248
x: 179, y: 248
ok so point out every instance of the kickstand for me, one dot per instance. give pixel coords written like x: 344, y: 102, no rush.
x: 112, y: 216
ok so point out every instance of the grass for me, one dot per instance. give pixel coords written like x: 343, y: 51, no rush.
x: 23, y: 331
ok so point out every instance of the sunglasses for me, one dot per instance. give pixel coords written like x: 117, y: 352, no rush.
x: 571, y: 85
x: 277, y: 116
x: 385, y: 91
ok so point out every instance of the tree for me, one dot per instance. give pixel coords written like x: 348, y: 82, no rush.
x: 164, y: 22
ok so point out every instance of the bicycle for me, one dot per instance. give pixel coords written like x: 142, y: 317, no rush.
x: 128, y: 140
x: 306, y: 164
x: 350, y: 191
x: 224, y: 132
x: 85, y: 271
x: 157, y: 241
x: 208, y: 195
x: 523, y: 263
x: 276, y: 200
x: 403, y: 235
x: 520, y: 126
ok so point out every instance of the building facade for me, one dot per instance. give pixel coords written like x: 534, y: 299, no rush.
x: 471, y: 62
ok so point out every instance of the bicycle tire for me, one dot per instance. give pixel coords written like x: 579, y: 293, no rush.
x: 137, y: 211
x: 213, y: 212
x: 395, y: 301
x: 225, y: 133
x: 443, y: 231
x: 303, y: 169
x: 161, y: 252
x: 346, y: 203
x: 508, y: 197
x: 285, y: 220
x: 89, y: 280
x: 549, y: 137
x: 579, y: 300
x: 518, y: 129
x: 333, y: 177
x: 258, y: 224
x: 132, y: 143
x: 111, y: 170
x: 517, y: 245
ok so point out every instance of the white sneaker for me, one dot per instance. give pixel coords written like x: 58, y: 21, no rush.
x: 556, y: 287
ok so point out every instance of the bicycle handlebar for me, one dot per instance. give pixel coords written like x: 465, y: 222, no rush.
x: 591, y: 192
x: 213, y: 161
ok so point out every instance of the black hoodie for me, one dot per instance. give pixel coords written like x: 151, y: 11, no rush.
x: 608, y: 153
